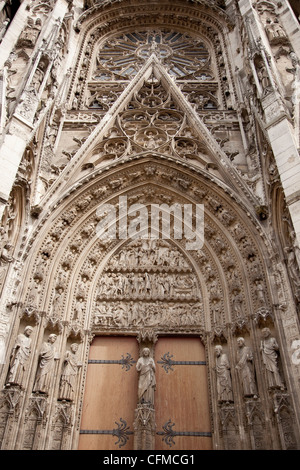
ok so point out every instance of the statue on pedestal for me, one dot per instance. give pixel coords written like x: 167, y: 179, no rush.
x: 69, y: 374
x: 147, y: 382
x: 245, y: 368
x: 224, y: 386
x: 269, y: 349
x: 47, y: 358
x: 19, y: 357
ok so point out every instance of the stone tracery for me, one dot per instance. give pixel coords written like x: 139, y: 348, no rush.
x: 78, y: 284
x: 184, y: 57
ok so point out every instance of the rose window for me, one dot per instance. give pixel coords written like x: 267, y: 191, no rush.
x: 184, y: 57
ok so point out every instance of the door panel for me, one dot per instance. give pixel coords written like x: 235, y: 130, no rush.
x: 182, y: 394
x: 181, y: 397
x: 110, y: 394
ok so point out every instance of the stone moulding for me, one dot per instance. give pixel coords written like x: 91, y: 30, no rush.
x: 175, y: 9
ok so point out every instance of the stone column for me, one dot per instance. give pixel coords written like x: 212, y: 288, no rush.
x: 281, y: 133
x: 21, y: 126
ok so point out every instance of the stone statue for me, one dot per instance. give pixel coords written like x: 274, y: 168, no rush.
x: 69, y: 374
x: 19, y: 357
x: 79, y: 309
x: 5, y: 259
x: 57, y: 302
x: 274, y: 31
x: 245, y: 368
x: 5, y: 256
x: 34, y: 292
x: 293, y: 266
x: 30, y: 33
x: 38, y: 76
x: 237, y: 304
x: 224, y: 386
x: 216, y: 312
x: 263, y: 76
x: 269, y: 348
x: 47, y: 358
x: 147, y: 383
x: 260, y: 291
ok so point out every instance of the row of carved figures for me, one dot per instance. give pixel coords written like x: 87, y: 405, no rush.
x: 122, y: 314
x: 145, y: 367
x: 269, y: 351
x: 154, y: 285
x: 48, y: 356
x: 151, y: 256
x: 244, y: 365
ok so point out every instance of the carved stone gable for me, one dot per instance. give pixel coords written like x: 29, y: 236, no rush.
x: 150, y: 228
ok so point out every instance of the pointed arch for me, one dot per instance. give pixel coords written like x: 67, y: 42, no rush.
x: 154, y: 128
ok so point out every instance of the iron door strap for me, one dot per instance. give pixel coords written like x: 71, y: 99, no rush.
x: 126, y: 362
x: 168, y: 433
x: 167, y: 362
x: 122, y: 432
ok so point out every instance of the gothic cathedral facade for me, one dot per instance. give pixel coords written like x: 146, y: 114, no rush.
x: 150, y: 224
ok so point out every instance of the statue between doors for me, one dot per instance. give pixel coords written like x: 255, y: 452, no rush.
x: 147, y: 382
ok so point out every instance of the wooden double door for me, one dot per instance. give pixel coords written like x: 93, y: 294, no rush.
x: 181, y: 397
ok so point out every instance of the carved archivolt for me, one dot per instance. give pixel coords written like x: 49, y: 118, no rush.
x: 151, y: 117
x: 79, y: 266
x: 79, y: 283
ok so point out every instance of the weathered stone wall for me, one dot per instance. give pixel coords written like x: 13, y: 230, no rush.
x: 156, y: 103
